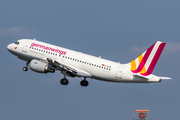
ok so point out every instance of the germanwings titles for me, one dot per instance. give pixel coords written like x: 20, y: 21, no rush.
x: 46, y: 58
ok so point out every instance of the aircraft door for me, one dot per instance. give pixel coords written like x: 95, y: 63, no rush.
x: 25, y: 47
x: 119, y: 72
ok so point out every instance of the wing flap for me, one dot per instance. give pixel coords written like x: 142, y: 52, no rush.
x: 65, y: 67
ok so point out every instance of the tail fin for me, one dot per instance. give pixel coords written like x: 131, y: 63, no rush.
x: 145, y: 63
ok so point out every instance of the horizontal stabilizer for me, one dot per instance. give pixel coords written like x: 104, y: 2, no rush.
x: 164, y: 78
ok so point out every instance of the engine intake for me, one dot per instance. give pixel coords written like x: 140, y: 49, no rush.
x: 40, y: 67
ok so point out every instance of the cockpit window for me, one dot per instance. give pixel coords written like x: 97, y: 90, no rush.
x: 17, y: 43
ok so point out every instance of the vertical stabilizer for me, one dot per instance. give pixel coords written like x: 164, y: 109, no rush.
x: 145, y: 63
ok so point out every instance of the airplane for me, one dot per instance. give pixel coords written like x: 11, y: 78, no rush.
x: 43, y: 57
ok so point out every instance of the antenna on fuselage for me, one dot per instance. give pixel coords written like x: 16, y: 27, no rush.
x: 99, y: 56
x: 34, y: 38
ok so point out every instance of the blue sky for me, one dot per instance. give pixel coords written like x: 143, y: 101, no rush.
x: 118, y: 30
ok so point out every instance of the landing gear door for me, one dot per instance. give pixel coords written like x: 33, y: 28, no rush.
x: 25, y: 47
x: 119, y: 72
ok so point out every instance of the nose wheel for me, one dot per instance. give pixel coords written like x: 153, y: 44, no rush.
x: 26, y: 68
x: 84, y: 83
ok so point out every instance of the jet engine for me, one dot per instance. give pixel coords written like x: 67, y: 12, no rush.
x: 40, y: 67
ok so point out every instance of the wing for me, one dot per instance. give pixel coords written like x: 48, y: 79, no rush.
x: 62, y: 66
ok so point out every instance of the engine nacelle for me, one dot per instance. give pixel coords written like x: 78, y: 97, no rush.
x: 40, y: 67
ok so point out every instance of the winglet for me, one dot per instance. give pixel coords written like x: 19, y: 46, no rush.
x: 145, y: 63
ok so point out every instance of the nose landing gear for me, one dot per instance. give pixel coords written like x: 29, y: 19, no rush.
x: 26, y: 68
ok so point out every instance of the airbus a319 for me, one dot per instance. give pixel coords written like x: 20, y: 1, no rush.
x: 42, y: 57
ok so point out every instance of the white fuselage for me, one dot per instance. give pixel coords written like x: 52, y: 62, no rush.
x: 90, y: 66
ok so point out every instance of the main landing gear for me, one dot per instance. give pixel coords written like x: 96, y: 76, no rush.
x: 64, y: 81
x: 84, y: 83
x: 26, y: 68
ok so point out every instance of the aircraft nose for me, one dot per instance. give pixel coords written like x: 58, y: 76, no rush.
x: 9, y: 47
